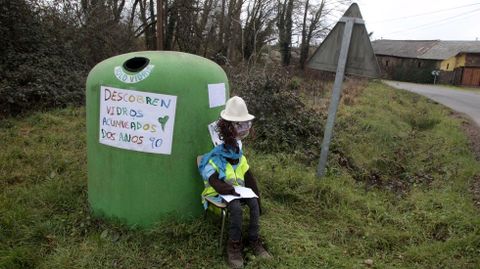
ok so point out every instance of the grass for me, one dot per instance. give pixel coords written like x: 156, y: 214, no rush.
x: 396, y: 192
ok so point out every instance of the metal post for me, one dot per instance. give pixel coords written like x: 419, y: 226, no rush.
x: 337, y: 90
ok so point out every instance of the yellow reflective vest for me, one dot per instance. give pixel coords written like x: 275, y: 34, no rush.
x: 235, y: 177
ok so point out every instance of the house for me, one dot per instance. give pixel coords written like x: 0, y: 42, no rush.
x: 414, y: 61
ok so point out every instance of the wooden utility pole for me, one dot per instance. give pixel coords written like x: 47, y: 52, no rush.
x: 160, y: 24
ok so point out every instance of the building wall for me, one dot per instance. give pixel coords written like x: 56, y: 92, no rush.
x: 472, y: 60
x: 463, y: 69
x: 467, y: 72
x: 407, y: 69
x: 446, y: 77
x: 461, y: 59
x: 449, y: 64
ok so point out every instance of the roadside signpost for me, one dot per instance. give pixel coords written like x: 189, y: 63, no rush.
x: 345, y: 50
x: 435, y: 74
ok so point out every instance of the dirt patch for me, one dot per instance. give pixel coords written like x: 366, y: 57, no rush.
x: 472, y: 130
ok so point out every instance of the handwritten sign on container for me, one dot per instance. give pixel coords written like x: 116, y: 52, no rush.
x: 139, y: 121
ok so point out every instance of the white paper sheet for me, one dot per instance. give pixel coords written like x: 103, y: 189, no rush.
x: 216, y: 94
x: 134, y: 120
x: 243, y: 191
x: 214, y: 134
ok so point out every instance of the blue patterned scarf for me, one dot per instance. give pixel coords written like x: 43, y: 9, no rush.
x: 219, y: 156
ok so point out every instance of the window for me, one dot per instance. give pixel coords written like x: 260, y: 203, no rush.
x: 419, y: 64
x: 386, y: 63
x: 448, y: 65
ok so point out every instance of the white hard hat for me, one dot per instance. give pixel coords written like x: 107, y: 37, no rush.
x: 236, y: 110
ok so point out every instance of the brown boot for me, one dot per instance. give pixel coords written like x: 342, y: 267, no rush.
x: 259, y: 250
x: 234, y: 254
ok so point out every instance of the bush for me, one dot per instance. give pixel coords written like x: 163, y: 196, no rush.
x: 39, y: 82
x: 38, y: 69
x: 283, y: 123
x: 46, y: 54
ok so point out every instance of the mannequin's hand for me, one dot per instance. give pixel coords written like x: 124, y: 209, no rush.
x: 234, y: 193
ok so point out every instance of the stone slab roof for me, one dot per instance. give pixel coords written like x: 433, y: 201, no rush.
x: 424, y: 49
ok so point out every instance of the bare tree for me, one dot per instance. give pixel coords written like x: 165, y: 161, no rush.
x: 187, y: 37
x: 315, y: 25
x: 259, y: 25
x: 227, y: 30
x: 284, y: 24
x: 308, y: 30
x: 132, y: 13
x: 152, y: 26
x: 145, y: 28
x: 171, y: 24
x: 230, y: 27
x: 117, y: 8
x: 160, y: 21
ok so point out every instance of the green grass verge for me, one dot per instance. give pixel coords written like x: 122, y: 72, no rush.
x: 396, y: 193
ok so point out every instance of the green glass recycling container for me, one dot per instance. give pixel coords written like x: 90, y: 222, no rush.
x: 147, y: 121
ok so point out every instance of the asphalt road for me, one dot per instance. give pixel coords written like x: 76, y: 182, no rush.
x: 463, y: 101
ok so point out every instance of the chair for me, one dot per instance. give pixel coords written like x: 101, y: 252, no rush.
x: 221, y: 206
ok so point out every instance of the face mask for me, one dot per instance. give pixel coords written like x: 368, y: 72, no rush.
x: 242, y: 129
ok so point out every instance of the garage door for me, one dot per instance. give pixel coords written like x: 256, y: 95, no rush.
x: 471, y: 77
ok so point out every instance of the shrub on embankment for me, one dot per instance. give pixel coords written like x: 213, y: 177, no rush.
x: 406, y: 144
x: 46, y: 52
x: 283, y: 123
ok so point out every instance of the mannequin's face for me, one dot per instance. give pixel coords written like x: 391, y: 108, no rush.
x: 242, y: 129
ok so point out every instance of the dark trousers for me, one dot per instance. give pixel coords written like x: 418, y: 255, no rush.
x: 235, y: 209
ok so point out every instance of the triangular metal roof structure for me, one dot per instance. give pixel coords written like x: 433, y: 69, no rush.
x: 361, y: 59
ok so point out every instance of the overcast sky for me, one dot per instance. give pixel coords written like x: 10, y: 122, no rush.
x: 422, y: 19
